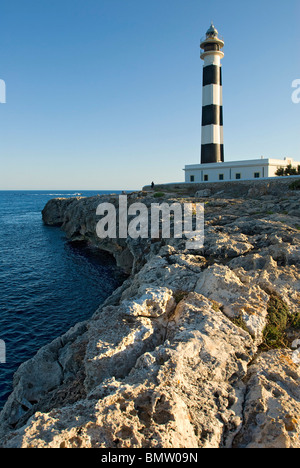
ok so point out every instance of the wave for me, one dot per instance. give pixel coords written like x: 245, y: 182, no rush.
x: 57, y: 194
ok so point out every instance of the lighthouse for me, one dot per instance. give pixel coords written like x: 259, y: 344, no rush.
x: 212, y: 143
x: 212, y: 167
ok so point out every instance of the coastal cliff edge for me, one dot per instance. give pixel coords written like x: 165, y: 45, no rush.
x: 197, y: 348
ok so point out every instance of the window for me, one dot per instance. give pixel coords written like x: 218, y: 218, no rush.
x: 192, y: 178
x: 256, y: 175
x: 205, y: 178
x: 221, y: 176
x: 238, y: 176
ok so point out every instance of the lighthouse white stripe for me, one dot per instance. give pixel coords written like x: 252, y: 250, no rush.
x: 212, y: 60
x: 211, y: 134
x: 212, y: 94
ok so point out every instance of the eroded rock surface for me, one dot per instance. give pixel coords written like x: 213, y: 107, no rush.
x: 178, y: 355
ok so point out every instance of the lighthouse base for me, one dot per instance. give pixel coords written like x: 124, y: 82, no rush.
x: 234, y: 170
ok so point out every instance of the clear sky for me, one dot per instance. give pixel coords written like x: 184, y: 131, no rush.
x: 106, y: 94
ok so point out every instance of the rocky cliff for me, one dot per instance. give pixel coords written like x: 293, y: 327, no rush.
x: 197, y: 349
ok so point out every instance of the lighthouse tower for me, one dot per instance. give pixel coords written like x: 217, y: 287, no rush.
x: 212, y: 144
x: 213, y: 168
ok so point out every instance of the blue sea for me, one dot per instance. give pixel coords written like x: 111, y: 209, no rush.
x: 47, y: 284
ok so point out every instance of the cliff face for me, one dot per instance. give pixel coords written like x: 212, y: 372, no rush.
x: 195, y: 349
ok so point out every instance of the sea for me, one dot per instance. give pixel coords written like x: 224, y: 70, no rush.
x: 47, y: 284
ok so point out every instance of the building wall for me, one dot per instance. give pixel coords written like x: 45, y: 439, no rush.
x: 226, y: 173
x: 240, y: 170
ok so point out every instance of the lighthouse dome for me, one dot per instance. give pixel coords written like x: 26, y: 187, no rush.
x: 212, y: 31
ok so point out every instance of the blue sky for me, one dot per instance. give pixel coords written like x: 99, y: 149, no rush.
x: 106, y: 94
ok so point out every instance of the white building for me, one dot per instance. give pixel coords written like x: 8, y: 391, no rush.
x: 236, y: 170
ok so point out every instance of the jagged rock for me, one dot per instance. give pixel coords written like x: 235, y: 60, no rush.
x: 226, y: 245
x: 152, y: 302
x: 55, y: 211
x: 295, y: 344
x: 171, y: 359
x: 258, y: 190
x: 203, y: 193
x: 54, y: 366
x: 264, y: 271
x: 238, y: 299
x: 158, y: 401
x: 272, y: 403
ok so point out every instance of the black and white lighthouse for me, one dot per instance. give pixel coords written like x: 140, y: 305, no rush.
x: 213, y: 168
x: 212, y: 142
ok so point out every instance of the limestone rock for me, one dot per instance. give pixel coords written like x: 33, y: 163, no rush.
x: 172, y: 358
x: 56, y: 366
x: 203, y: 193
x: 272, y: 403
x: 158, y: 403
x: 226, y: 245
x: 238, y: 299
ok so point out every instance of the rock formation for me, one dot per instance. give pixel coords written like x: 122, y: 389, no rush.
x: 197, y: 349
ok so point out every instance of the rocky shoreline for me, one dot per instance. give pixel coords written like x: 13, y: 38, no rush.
x: 197, y: 349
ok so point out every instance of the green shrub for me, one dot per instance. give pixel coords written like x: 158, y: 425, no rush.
x: 295, y: 321
x: 278, y: 319
x: 288, y: 171
x: 179, y: 295
x: 239, y: 322
x: 280, y: 172
x: 158, y: 195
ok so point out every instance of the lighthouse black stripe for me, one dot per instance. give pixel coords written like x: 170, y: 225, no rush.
x: 211, y: 153
x: 212, y: 75
x: 221, y: 116
x: 212, y: 115
x: 222, y: 153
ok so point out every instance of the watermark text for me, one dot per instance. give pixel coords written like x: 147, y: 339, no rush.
x: 159, y: 221
x: 2, y: 92
x: 2, y: 352
x: 296, y: 93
